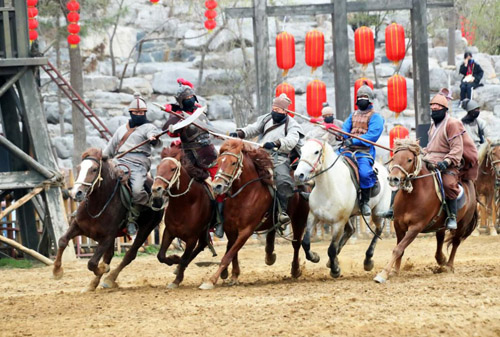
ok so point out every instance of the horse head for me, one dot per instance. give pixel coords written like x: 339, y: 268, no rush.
x: 494, y: 158
x: 405, y: 164
x: 312, y: 158
x: 90, y: 174
x: 230, y: 163
x: 168, y: 174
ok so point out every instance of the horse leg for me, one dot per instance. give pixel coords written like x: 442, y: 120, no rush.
x: 397, y: 265
x: 235, y: 271
x: 165, y: 243
x: 306, y: 243
x: 130, y: 255
x: 184, y: 261
x: 368, y: 262
x: 270, y: 255
x: 451, y: 259
x: 231, y: 238
x: 298, y: 232
x: 228, y: 257
x: 348, y: 231
x: 99, y: 268
x: 334, y: 248
x: 72, y: 232
x: 397, y: 253
x: 440, y: 257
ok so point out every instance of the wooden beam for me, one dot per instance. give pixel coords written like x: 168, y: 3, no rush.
x: 451, y: 38
x: 20, y: 202
x: 22, y: 36
x: 341, y: 60
x: 23, y: 61
x: 6, y: 86
x: 299, y: 10
x: 261, y: 53
x: 28, y: 251
x: 20, y: 180
x: 362, y: 6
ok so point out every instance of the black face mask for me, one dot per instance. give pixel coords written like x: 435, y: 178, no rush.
x: 188, y: 104
x: 438, y: 115
x: 277, y: 117
x: 362, y: 104
x: 471, y: 116
x: 328, y: 119
x: 137, y: 120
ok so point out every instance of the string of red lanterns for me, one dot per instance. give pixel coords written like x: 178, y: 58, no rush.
x: 315, y: 49
x: 154, y: 2
x: 32, y: 21
x: 210, y: 14
x: 73, y: 7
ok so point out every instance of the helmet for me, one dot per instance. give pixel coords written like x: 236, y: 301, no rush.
x: 138, y: 103
x: 183, y: 92
x: 471, y: 105
x: 327, y: 109
x: 365, y: 90
x: 441, y: 100
x: 282, y: 101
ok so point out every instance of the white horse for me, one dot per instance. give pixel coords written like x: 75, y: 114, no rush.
x: 333, y: 199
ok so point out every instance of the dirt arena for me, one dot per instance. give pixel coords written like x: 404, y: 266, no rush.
x: 267, y: 302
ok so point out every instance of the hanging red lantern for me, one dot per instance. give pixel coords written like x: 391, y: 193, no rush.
x: 73, y: 17
x: 32, y: 3
x: 397, y: 132
x: 316, y: 96
x: 396, y: 93
x: 73, y: 28
x: 395, y: 42
x: 154, y: 2
x: 315, y: 49
x: 73, y: 40
x: 211, y: 4
x: 364, y: 45
x: 210, y: 24
x: 285, y: 51
x: 32, y: 12
x: 32, y: 24
x: 289, y: 90
x: 73, y: 6
x: 359, y: 82
x: 210, y: 14
x: 33, y: 35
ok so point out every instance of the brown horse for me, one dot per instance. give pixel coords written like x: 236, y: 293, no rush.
x: 245, y: 175
x: 100, y: 216
x: 189, y: 210
x: 488, y: 180
x: 417, y: 208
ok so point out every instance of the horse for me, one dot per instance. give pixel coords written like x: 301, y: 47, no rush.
x: 333, y: 199
x: 101, y: 215
x: 188, y: 209
x: 418, y: 208
x: 488, y: 180
x: 245, y: 175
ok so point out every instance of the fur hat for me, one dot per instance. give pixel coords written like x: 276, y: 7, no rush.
x: 441, y: 100
x: 282, y: 101
x: 327, y: 110
x: 138, y: 103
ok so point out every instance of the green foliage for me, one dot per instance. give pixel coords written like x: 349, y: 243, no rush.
x: 13, y: 263
x: 357, y: 20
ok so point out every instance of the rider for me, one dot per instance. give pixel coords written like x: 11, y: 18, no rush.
x: 195, y: 142
x: 475, y: 127
x: 277, y: 131
x: 329, y: 121
x: 367, y: 124
x: 129, y: 135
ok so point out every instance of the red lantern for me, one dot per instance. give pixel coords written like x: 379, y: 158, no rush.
x: 357, y: 85
x: 210, y: 24
x: 396, y: 93
x: 73, y: 28
x: 210, y: 14
x: 154, y: 2
x: 315, y: 49
x: 397, y: 132
x: 289, y: 90
x: 210, y: 4
x: 73, y: 17
x: 395, y: 42
x: 73, y: 6
x: 32, y: 3
x: 316, y: 96
x: 73, y: 40
x: 33, y: 35
x: 32, y: 24
x: 32, y: 12
x: 285, y: 51
x: 364, y: 45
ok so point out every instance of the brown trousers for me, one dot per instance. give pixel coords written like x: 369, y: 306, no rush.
x: 450, y: 182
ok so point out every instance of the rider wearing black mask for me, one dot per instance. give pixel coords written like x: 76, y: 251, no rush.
x: 475, y: 127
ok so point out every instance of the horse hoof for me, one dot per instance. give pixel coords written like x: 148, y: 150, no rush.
x: 109, y: 284
x: 313, y: 257
x: 173, y: 286
x: 379, y: 279
x: 368, y: 265
x: 328, y: 264
x: 88, y: 289
x: 233, y: 282
x: 57, y: 275
x: 296, y: 273
x: 225, y: 274
x: 335, y: 274
x: 207, y: 286
x: 270, y: 259
x: 443, y: 269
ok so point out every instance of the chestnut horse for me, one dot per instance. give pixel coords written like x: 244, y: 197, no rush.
x: 189, y: 211
x: 417, y: 208
x: 488, y: 180
x: 245, y: 174
x: 101, y: 214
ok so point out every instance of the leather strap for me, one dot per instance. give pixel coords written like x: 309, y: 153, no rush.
x: 125, y: 137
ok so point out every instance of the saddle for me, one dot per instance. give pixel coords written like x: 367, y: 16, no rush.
x: 353, y: 169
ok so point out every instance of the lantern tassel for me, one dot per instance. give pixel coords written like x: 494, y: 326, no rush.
x: 313, y: 69
x: 73, y: 46
x: 285, y: 72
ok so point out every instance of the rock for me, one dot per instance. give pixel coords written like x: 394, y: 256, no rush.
x: 124, y: 40
x: 300, y: 83
x: 63, y: 146
x: 487, y: 96
x: 99, y: 82
x: 133, y: 84
x: 155, y: 113
x: 114, y: 123
x: 224, y: 125
x: 487, y: 64
x: 439, y: 53
x: 496, y: 110
x: 438, y: 78
x: 165, y: 82
x: 228, y: 60
x: 440, y: 39
x: 96, y: 141
x: 219, y: 107
x: 496, y: 61
x: 221, y: 82
x: 65, y: 163
x: 225, y: 40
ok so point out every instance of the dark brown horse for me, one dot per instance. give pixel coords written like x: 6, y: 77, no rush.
x: 245, y: 174
x: 100, y: 216
x: 188, y: 210
x: 417, y: 208
x: 488, y: 180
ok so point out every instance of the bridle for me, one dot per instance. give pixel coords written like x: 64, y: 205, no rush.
x: 492, y: 162
x: 175, y: 179
x: 229, y: 178
x: 406, y: 184
x: 97, y: 179
x: 319, y: 161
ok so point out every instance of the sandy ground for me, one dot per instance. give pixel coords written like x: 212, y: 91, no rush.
x: 267, y: 302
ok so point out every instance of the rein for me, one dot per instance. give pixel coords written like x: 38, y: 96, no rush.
x: 97, y: 179
x: 230, y: 178
x: 118, y: 181
x: 409, y: 177
x: 319, y: 161
x: 175, y: 179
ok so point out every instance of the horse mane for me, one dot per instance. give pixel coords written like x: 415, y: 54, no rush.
x: 94, y: 152
x: 412, y: 145
x: 176, y: 151
x: 482, y: 152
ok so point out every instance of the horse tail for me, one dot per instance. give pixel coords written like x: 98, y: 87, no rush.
x: 463, y: 232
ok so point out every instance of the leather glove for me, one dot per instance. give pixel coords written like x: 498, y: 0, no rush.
x: 442, y: 165
x: 269, y: 145
x: 233, y: 134
x: 348, y: 142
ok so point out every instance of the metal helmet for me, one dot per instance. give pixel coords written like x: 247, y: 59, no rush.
x: 365, y: 90
x: 471, y: 105
x: 183, y: 92
x: 138, y: 103
x: 441, y: 100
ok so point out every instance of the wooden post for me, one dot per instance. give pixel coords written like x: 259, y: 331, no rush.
x: 28, y: 251
x: 451, y: 38
x: 341, y: 60
x: 261, y: 52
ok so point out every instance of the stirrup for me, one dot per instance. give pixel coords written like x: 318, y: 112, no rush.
x: 365, y: 209
x: 451, y: 223
x: 219, y: 230
x: 131, y: 228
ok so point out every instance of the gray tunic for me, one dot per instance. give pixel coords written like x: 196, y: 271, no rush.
x: 473, y: 130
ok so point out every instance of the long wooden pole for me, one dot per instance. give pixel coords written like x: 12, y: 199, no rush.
x: 21, y: 202
x: 28, y: 251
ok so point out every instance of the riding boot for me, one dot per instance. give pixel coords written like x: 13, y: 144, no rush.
x: 451, y: 222
x: 283, y: 217
x: 219, y: 227
x: 363, y: 202
x: 390, y: 213
x: 133, y: 215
